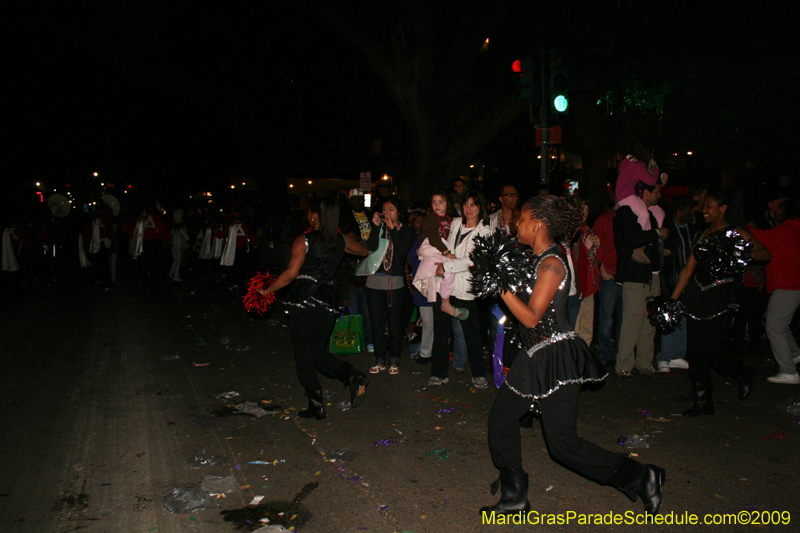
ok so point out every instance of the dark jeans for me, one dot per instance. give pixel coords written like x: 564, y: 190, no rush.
x: 560, y: 427
x: 381, y: 313
x: 609, y: 311
x: 440, y: 362
x: 706, y: 350
x: 311, y: 330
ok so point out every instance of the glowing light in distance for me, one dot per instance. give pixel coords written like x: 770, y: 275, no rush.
x: 233, y: 186
x: 309, y: 182
x: 94, y: 174
x: 291, y: 185
x: 688, y: 153
x: 37, y: 183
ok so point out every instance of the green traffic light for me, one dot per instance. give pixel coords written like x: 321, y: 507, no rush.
x: 560, y: 103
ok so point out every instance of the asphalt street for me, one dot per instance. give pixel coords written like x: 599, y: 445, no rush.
x: 106, y: 396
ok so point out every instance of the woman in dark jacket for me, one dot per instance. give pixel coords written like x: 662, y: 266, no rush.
x: 386, y: 288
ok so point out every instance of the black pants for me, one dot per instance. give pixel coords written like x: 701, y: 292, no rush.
x: 151, y: 264
x: 101, y: 265
x: 752, y: 307
x: 559, y: 424
x: 705, y: 349
x: 311, y: 329
x: 381, y: 314
x: 440, y: 362
x: 238, y: 270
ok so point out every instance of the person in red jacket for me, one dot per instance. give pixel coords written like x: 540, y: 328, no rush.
x: 783, y: 284
x: 609, y: 294
x: 584, y: 247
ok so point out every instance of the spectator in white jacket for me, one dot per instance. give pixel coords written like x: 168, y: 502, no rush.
x: 461, y: 240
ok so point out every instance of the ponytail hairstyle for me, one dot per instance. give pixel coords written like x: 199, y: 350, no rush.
x: 731, y: 197
x: 562, y: 216
x: 328, y: 211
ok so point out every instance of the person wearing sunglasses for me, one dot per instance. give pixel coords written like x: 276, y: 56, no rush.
x: 506, y: 217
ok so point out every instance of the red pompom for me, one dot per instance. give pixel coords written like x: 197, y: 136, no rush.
x: 253, y: 301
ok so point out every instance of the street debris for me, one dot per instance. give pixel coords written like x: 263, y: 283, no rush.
x: 250, y: 408
x: 633, y: 441
x: 777, y: 435
x: 204, y: 459
x: 227, y: 395
x: 440, y: 454
x: 385, y: 442
x: 186, y: 500
x: 273, y: 463
x: 219, y: 485
x: 342, y: 455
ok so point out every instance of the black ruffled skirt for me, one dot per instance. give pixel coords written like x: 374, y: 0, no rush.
x: 561, y: 360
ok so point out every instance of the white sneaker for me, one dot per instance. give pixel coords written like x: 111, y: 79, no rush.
x: 436, y: 381
x: 786, y: 379
x: 679, y: 363
x: 479, y: 383
x: 663, y: 366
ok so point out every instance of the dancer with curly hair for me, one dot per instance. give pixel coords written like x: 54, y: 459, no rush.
x: 550, y: 370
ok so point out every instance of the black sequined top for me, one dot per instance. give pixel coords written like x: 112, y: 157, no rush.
x: 314, y: 286
x: 556, y: 356
x: 556, y: 319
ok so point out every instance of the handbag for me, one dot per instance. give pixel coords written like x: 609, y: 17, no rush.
x: 370, y: 264
x: 348, y: 335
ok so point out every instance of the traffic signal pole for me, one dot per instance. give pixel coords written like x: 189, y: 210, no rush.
x: 545, y: 150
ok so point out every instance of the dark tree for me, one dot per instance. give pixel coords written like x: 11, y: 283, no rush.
x: 453, y: 97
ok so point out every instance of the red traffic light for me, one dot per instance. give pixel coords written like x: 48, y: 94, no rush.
x: 516, y: 66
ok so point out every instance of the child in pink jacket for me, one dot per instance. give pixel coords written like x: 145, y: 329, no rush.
x: 432, y: 252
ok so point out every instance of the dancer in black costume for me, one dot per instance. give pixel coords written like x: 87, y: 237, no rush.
x: 313, y: 307
x: 550, y: 370
x: 710, y: 297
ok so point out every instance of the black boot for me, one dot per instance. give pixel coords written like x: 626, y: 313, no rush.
x: 703, y: 405
x: 745, y: 380
x: 513, y: 494
x: 316, y: 405
x: 635, y: 479
x: 354, y: 379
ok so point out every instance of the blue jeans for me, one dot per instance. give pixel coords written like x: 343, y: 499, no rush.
x: 358, y: 306
x: 609, y: 312
x: 673, y: 345
x: 459, y: 345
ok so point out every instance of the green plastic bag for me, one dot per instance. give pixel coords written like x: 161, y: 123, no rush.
x: 348, y: 335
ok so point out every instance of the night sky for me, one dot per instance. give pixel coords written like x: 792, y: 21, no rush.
x: 185, y: 95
